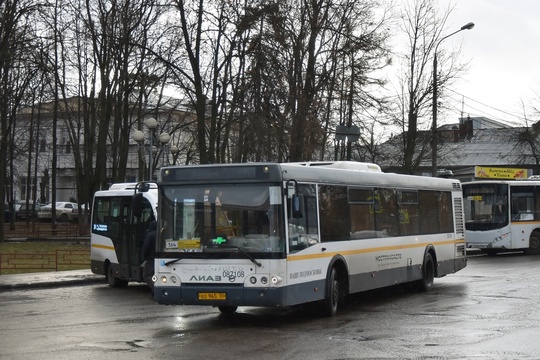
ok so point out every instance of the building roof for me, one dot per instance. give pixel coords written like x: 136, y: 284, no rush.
x: 488, y: 147
x: 464, y: 145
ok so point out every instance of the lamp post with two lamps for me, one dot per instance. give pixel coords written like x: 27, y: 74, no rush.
x: 163, y: 139
x: 434, y: 144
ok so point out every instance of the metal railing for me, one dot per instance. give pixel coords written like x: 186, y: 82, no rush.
x: 46, y: 230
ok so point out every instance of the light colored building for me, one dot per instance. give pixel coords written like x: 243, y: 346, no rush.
x: 33, y: 154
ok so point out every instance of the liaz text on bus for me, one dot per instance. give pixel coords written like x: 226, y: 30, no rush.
x: 278, y: 235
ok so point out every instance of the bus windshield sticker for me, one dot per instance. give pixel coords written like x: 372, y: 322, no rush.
x: 275, y: 195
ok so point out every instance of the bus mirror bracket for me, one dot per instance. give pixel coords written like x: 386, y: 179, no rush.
x: 137, y: 204
x: 295, y: 201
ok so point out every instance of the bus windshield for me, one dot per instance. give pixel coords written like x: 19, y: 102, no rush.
x: 485, y: 206
x: 221, y: 219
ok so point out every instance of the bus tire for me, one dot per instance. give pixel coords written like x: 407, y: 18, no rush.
x: 534, y: 244
x: 113, y: 280
x: 428, y: 273
x: 333, y: 294
x: 227, y: 310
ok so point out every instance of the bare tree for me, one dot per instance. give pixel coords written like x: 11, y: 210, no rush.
x: 424, y: 25
x: 530, y: 135
x: 16, y: 37
x: 308, y: 70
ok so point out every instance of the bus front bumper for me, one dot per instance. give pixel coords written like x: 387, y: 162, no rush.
x: 219, y: 296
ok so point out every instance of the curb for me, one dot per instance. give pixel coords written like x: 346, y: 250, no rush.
x: 48, y: 280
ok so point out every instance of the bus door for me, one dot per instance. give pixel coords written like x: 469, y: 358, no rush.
x: 137, y: 232
x: 121, y: 221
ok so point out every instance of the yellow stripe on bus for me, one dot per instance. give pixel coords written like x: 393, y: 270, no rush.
x: 106, y: 247
x: 370, y: 250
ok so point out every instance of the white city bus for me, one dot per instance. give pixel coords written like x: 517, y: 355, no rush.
x: 278, y: 235
x: 118, y: 229
x: 502, y: 215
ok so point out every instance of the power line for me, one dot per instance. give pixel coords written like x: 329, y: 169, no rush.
x: 481, y: 112
x: 520, y: 118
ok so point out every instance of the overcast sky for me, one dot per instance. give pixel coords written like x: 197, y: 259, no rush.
x: 504, y: 53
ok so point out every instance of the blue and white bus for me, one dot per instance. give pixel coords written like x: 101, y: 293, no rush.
x: 277, y: 235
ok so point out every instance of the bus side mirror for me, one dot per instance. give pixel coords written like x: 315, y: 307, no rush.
x: 296, y: 206
x: 142, y: 187
x: 137, y: 205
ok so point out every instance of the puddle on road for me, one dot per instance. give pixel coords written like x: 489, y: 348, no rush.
x: 116, y: 345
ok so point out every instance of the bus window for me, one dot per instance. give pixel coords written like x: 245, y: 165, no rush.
x: 429, y: 212
x: 522, y: 198
x: 115, y: 218
x: 304, y: 231
x: 101, y: 216
x: 107, y: 217
x: 409, y: 218
x: 362, y: 210
x: 334, y: 213
x: 222, y: 217
x: 446, y: 217
x: 486, y: 206
x: 387, y: 217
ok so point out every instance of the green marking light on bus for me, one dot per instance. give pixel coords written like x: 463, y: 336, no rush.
x: 219, y: 240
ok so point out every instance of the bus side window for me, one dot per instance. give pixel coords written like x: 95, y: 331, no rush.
x: 387, y: 217
x: 362, y: 209
x: 100, y: 218
x: 334, y: 213
x: 304, y: 231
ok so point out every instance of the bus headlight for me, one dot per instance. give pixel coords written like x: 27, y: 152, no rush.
x: 276, y: 280
x: 164, y: 279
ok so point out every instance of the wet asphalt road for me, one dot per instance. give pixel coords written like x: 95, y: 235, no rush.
x: 490, y: 310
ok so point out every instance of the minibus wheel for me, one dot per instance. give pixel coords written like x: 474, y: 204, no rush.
x: 113, y: 280
x: 534, y: 244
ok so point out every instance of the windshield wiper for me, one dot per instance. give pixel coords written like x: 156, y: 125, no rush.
x: 248, y: 255
x: 172, y: 262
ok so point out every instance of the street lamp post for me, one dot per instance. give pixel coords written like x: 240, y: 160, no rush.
x: 434, y: 139
x: 138, y: 136
x: 164, y: 139
x: 151, y: 124
x: 174, y: 151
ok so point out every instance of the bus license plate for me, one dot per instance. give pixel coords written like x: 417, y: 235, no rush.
x: 213, y: 296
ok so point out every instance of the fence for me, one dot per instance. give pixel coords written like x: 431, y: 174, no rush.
x: 59, y: 260
x: 42, y: 230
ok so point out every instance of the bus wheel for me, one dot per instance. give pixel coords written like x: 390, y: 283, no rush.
x: 330, y: 304
x: 228, y: 310
x: 428, y: 273
x: 113, y: 280
x: 534, y: 244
